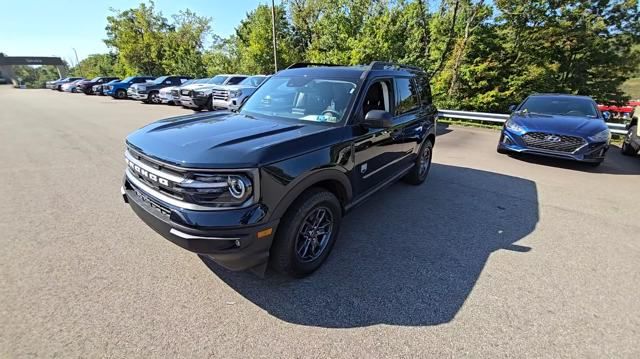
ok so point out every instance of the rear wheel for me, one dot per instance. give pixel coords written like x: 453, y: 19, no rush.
x: 307, y: 233
x: 626, y: 148
x: 121, y: 94
x: 420, y: 170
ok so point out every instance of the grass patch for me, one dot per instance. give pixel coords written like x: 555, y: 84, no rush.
x: 632, y: 88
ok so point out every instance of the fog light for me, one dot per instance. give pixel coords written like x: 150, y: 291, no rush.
x: 237, y: 243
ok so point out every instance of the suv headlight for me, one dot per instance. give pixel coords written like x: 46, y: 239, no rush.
x: 602, y: 136
x: 221, y: 190
x: 512, y: 126
x: 235, y: 93
x: 199, y: 93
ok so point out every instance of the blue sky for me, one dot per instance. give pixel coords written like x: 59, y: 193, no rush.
x: 55, y: 27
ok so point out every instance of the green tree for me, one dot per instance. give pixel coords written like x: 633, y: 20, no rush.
x: 138, y: 37
x: 95, y: 65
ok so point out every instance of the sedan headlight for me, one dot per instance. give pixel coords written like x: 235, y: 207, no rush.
x: 221, y: 190
x: 602, y: 136
x: 512, y: 126
x: 236, y: 93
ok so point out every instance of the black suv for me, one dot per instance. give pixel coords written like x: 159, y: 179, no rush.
x: 271, y: 182
x: 149, y: 92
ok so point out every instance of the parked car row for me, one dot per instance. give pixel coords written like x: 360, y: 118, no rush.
x: 225, y: 91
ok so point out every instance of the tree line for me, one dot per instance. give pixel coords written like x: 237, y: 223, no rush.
x: 480, y: 55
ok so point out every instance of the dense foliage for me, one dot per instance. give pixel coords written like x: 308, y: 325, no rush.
x: 482, y: 55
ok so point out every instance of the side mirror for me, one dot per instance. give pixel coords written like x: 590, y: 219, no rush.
x: 606, y: 115
x: 378, y: 119
x: 512, y: 108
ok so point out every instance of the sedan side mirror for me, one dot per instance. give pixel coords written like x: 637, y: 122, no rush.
x: 378, y: 119
x: 512, y: 108
x: 606, y: 115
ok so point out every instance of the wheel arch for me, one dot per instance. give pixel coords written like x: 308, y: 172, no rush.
x: 332, y: 180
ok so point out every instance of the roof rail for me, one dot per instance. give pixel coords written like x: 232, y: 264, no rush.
x: 382, y: 65
x: 298, y: 65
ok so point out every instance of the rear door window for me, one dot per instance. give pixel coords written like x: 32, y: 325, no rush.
x: 407, y: 97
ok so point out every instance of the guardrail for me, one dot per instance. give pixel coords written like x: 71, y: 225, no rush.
x: 617, y: 128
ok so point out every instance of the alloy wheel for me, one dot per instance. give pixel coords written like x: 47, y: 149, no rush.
x: 314, y: 234
x: 425, y: 160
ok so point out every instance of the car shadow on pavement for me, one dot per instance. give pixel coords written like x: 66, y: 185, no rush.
x: 614, y: 163
x: 409, y: 256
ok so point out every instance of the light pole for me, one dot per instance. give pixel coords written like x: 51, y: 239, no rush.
x: 275, y: 41
x: 77, y: 61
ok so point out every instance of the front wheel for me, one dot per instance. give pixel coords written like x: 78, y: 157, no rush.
x: 307, y: 233
x: 420, y: 170
x: 154, y: 98
x: 626, y: 148
x: 121, y: 94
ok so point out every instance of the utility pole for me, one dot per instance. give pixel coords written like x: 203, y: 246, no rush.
x: 275, y: 41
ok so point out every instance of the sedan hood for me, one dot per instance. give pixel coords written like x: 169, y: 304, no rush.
x: 226, y: 140
x: 566, y: 125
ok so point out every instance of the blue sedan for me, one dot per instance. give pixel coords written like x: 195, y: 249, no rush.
x: 556, y: 125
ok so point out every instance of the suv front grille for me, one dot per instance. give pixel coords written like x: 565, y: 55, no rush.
x: 553, y: 142
x: 220, y: 95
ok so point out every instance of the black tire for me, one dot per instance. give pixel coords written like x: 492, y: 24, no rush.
x: 210, y: 104
x: 153, y: 98
x: 422, y: 165
x: 285, y: 254
x: 73, y: 90
x: 121, y: 94
x: 626, y: 148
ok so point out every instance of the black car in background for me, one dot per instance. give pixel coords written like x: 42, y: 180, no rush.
x: 271, y: 182
x: 149, y: 92
x: 86, y: 86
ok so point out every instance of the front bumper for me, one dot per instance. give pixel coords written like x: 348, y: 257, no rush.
x: 229, y: 237
x: 137, y: 95
x: 194, y: 102
x: 590, y: 152
x: 165, y: 98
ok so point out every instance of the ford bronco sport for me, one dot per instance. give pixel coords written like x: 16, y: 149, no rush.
x: 269, y: 184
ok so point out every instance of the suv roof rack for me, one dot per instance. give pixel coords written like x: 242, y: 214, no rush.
x: 384, y: 65
x: 298, y: 65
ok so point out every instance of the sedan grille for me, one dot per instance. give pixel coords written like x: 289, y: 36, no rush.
x: 220, y: 95
x: 553, y: 142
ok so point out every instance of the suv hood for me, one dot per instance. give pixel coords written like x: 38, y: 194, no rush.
x: 192, y: 86
x: 568, y: 125
x: 228, y: 140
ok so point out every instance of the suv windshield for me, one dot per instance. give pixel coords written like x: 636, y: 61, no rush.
x: 159, y: 80
x: 254, y: 81
x: 562, y: 106
x: 302, y: 98
x: 217, y: 80
x: 95, y: 79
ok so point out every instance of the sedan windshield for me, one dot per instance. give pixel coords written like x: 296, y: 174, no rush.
x: 302, y: 98
x: 563, y: 106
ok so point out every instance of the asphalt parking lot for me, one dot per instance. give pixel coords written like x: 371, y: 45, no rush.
x: 493, y: 256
